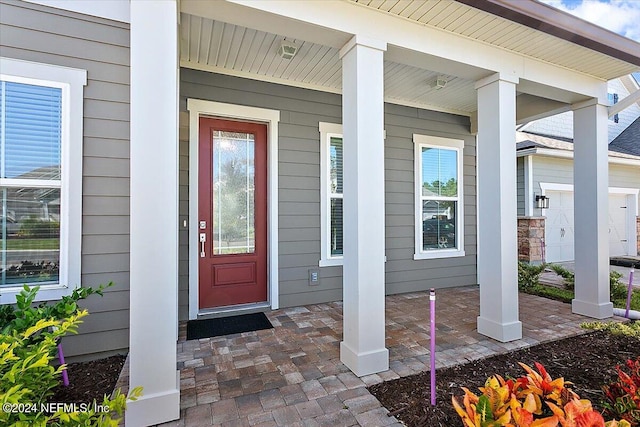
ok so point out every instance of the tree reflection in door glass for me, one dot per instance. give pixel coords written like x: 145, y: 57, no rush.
x: 233, y: 193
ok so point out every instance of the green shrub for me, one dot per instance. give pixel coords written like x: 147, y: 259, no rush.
x: 27, y: 378
x: 24, y: 315
x: 631, y: 329
x: 528, y: 275
x: 28, y: 342
x: 567, y: 275
x: 35, y: 227
x: 617, y: 289
x: 528, y: 282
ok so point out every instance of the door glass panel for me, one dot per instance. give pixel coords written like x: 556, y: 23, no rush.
x: 233, y: 193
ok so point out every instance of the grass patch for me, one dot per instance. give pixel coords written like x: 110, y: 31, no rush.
x: 550, y: 292
x: 566, y: 295
x: 528, y: 282
x: 32, y: 244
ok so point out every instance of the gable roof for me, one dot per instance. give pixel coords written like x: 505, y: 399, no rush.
x: 628, y: 141
x: 529, y: 143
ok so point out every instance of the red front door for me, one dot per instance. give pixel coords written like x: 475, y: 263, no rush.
x: 232, y: 209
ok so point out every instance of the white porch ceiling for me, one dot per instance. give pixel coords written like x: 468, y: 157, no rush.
x: 479, y: 25
x: 225, y: 48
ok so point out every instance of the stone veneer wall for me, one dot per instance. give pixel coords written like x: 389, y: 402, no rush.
x: 531, y: 239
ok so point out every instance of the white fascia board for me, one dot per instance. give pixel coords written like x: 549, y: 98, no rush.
x: 116, y: 10
x: 350, y: 18
x: 562, y: 154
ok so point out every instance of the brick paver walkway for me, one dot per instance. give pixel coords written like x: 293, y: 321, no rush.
x: 291, y: 375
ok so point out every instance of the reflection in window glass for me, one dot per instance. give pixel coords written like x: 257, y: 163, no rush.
x: 438, y: 225
x: 233, y: 195
x: 30, y: 240
x: 335, y: 195
x: 30, y: 144
x: 335, y: 165
x: 439, y: 197
x: 336, y: 227
x: 439, y: 172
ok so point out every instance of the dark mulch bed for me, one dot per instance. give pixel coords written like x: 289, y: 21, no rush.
x: 89, y: 380
x: 588, y: 361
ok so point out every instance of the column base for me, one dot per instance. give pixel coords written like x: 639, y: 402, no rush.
x: 155, y: 408
x: 503, y: 332
x: 597, y: 311
x: 364, y: 363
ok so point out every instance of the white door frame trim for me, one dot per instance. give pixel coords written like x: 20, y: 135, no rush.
x: 198, y: 108
x: 632, y: 203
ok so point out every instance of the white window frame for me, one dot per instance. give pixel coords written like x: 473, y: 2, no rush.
x: 71, y: 81
x: 420, y: 141
x: 327, y: 131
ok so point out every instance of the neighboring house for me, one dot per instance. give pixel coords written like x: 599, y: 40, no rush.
x: 214, y: 155
x: 545, y: 168
x: 561, y: 125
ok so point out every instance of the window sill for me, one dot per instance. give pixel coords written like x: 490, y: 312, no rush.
x: 46, y: 293
x: 336, y: 262
x: 438, y: 254
x: 331, y: 262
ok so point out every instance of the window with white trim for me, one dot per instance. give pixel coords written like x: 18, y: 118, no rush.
x: 331, y: 194
x: 439, y: 201
x: 613, y: 99
x: 40, y: 178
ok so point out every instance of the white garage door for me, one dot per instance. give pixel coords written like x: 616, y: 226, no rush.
x: 559, y: 226
x: 559, y: 232
x: 618, y: 232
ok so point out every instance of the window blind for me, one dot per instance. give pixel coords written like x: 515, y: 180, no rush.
x: 31, y: 131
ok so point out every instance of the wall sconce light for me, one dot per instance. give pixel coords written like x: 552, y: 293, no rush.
x: 542, y: 202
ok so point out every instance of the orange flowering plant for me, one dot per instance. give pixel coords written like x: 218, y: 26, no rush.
x: 622, y: 397
x: 533, y: 400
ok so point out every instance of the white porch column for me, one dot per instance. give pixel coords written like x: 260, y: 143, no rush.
x: 363, y: 348
x: 497, y: 212
x: 591, y: 210
x: 154, y: 212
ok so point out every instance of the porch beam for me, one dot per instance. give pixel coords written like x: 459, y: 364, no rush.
x: 591, y: 210
x: 363, y: 346
x: 154, y: 212
x: 497, y: 212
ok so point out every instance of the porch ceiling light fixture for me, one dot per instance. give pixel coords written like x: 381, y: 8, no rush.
x: 542, y: 202
x: 287, y: 50
x: 439, y: 83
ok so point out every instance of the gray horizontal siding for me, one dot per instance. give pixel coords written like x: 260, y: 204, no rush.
x: 47, y: 35
x: 299, y: 187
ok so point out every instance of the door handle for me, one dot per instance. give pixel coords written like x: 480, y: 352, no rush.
x: 203, y: 239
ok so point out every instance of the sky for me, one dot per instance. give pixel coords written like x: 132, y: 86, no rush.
x: 620, y: 16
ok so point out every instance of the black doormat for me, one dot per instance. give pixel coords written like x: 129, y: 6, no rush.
x: 207, y: 328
